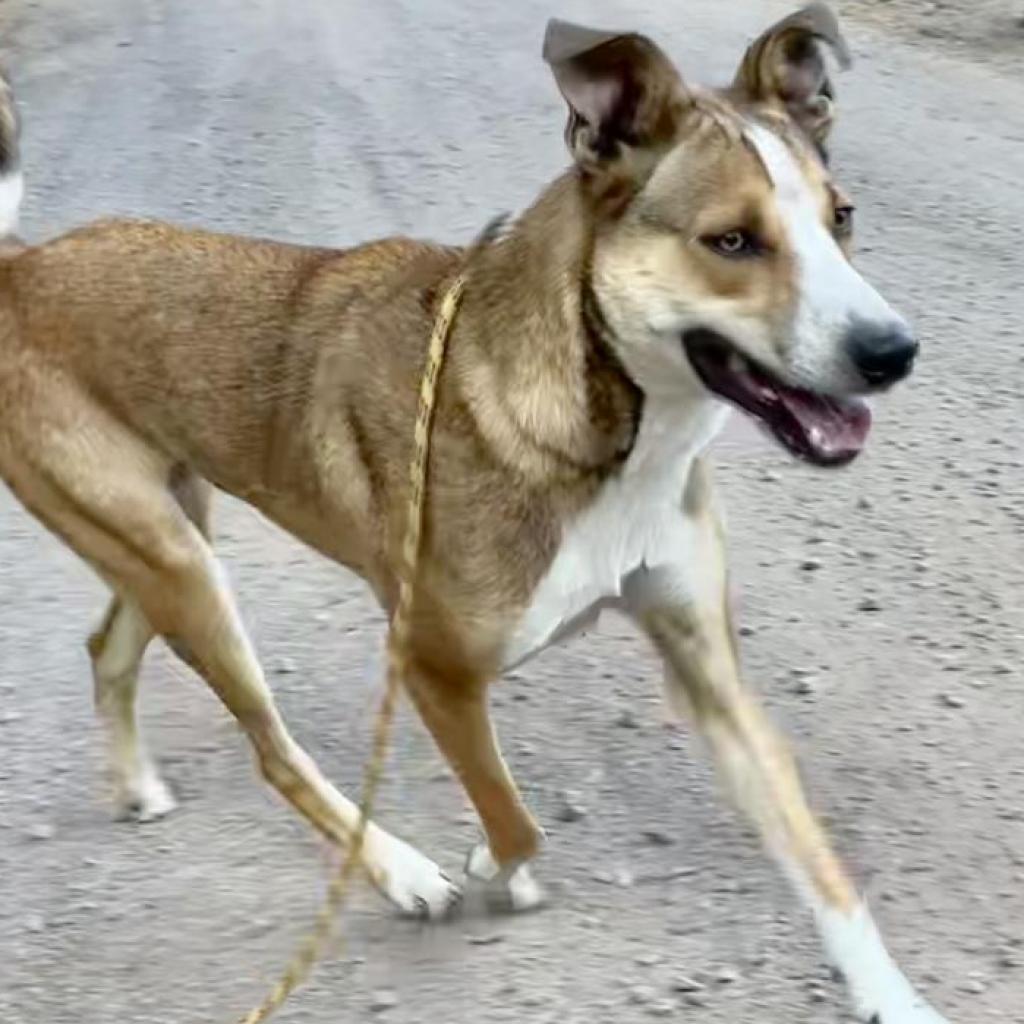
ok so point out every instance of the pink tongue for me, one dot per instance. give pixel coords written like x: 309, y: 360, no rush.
x: 831, y: 426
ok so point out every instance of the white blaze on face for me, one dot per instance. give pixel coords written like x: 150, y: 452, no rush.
x: 831, y: 295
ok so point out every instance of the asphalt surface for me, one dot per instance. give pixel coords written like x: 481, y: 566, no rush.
x: 882, y: 606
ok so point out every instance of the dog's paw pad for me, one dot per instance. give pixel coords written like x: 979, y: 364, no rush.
x: 509, y: 890
x: 411, y: 881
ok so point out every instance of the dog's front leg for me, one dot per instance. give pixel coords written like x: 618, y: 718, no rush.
x: 457, y: 716
x: 683, y: 606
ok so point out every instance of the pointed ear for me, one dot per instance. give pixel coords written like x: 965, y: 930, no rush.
x: 622, y: 91
x: 786, y: 65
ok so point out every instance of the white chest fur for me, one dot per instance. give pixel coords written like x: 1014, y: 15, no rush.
x: 636, y: 519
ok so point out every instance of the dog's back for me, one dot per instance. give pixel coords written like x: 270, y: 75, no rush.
x: 227, y: 355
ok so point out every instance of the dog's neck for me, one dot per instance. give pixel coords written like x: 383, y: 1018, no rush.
x: 541, y: 375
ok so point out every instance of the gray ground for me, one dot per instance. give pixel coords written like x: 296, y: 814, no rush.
x: 890, y: 592
x: 991, y: 31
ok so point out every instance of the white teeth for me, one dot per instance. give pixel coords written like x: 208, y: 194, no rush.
x: 816, y: 436
x: 736, y: 362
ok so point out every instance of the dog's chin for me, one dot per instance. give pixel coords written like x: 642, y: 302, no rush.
x: 825, y: 430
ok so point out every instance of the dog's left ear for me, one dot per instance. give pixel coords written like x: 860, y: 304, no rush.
x: 786, y: 65
x: 624, y: 94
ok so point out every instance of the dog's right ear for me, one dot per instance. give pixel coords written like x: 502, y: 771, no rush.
x: 623, y: 92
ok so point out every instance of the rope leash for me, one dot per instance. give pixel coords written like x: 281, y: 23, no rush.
x: 313, y: 947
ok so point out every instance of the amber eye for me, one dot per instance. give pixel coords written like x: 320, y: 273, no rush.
x: 734, y: 244
x: 843, y: 220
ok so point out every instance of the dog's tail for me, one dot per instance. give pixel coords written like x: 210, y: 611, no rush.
x: 12, y: 183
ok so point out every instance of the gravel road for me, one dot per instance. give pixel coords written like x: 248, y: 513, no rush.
x: 882, y: 606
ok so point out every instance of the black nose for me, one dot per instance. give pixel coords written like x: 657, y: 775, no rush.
x: 883, y: 353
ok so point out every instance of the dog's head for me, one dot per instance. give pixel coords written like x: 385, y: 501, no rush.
x: 721, y: 255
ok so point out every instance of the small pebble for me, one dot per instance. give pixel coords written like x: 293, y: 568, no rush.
x: 805, y: 686
x: 534, y: 1001
x: 642, y: 995
x: 817, y: 994
x: 383, y: 1001
x: 685, y: 984
x: 656, y: 837
x: 648, y: 959
x: 624, y: 878
x: 661, y: 1008
x: 627, y: 720
x: 40, y: 833
x: 570, y: 808
x: 951, y: 700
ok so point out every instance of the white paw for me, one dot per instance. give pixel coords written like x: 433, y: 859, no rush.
x: 411, y: 881
x: 507, y: 890
x: 880, y: 992
x: 900, y: 1005
x: 899, y: 1011
x: 147, y: 798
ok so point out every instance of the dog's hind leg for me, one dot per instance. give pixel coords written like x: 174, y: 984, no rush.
x: 106, y: 493
x: 116, y: 649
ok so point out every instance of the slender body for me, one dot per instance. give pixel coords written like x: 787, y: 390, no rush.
x: 692, y: 259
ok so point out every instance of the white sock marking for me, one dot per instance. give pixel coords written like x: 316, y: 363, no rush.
x: 877, y: 986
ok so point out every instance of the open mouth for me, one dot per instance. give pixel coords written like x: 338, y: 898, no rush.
x: 821, y: 429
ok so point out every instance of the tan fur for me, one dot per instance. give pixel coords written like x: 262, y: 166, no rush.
x: 287, y: 377
x: 142, y: 364
x: 705, y: 191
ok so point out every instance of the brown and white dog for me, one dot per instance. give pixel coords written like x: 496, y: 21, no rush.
x: 693, y: 259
